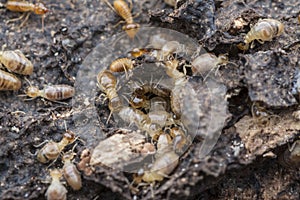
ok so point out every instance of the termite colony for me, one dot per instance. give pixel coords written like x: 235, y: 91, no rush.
x: 156, y: 105
x: 149, y: 91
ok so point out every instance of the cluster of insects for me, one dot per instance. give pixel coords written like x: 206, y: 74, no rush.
x: 16, y: 62
x: 152, y: 107
x: 155, y: 107
x: 50, y: 152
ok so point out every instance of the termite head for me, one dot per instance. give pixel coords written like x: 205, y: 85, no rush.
x: 131, y: 29
x: 222, y: 59
x: 258, y: 111
x: 40, y: 9
x: 55, y: 174
x: 136, y: 52
x: 139, y: 91
x: 32, y: 91
x: 138, y: 101
x: 68, y: 156
x: 69, y: 136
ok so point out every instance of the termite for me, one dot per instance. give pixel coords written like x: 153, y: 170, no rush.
x: 9, y: 81
x: 158, y: 112
x: 51, y: 92
x: 121, y: 65
x: 207, y: 62
x: 70, y: 171
x: 15, y: 61
x: 52, y: 149
x: 140, y: 119
x: 157, y: 41
x: 122, y: 9
x: 139, y: 99
x: 180, y: 81
x: 108, y: 84
x: 164, y: 141
x: 173, y: 72
x: 263, y: 30
x: 56, y: 190
x: 180, y: 140
x: 24, y: 6
x: 171, y: 47
x: 162, y: 167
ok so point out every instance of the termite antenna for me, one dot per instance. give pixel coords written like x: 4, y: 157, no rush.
x: 109, y: 116
x: 126, y: 98
x: 109, y: 5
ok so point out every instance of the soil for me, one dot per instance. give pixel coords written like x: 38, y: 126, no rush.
x: 246, y: 163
